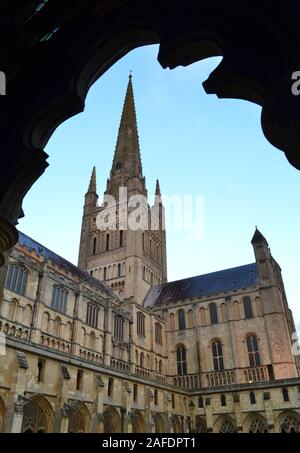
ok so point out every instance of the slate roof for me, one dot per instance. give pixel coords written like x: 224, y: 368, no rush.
x: 203, y: 285
x: 40, y: 250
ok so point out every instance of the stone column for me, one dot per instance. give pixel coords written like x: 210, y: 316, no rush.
x: 17, y: 419
x: 149, y: 396
x: 209, y: 416
x: 8, y: 238
x: 64, y: 425
x: 98, y: 425
x: 237, y: 411
x: 269, y: 412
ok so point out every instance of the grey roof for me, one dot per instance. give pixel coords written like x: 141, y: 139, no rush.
x: 203, y: 285
x: 84, y: 276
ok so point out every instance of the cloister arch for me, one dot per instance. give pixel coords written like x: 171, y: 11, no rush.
x: 225, y: 424
x: 38, y: 415
x: 138, y: 422
x: 42, y: 97
x: 79, y: 418
x: 159, y: 424
x: 288, y: 422
x: 176, y: 424
x: 255, y: 423
x: 112, y: 421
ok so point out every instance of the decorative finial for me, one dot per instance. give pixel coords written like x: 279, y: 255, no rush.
x: 130, y: 73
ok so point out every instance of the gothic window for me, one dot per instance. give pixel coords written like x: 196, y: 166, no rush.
x: 252, y: 398
x: 119, y: 328
x: 40, y: 370
x: 190, y: 318
x: 37, y: 416
x: 135, y: 393
x: 119, y: 270
x: 155, y: 397
x: 140, y: 324
x: 172, y: 321
x: 59, y: 299
x: 92, y: 340
x: 173, y: 401
x: 217, y: 353
x: 94, y: 245
x: 248, y: 307
x: 118, y: 166
x: 158, y: 333
x: 142, y: 360
x: 258, y: 425
x: 16, y: 279
x: 104, y: 273
x: 223, y: 400
x: 253, y: 352
x: 181, y: 360
x: 79, y: 379
x: 227, y: 426
x: 92, y: 314
x: 290, y: 424
x: 200, y: 402
x: 181, y: 319
x: 213, y: 313
x: 110, y: 388
x: 121, y: 238
x: 285, y: 394
x: 160, y: 367
x: 107, y: 243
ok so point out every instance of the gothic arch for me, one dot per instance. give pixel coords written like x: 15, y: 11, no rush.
x: 159, y: 423
x: 200, y: 424
x: 138, y: 422
x: 79, y: 418
x: 38, y: 415
x: 225, y: 424
x: 112, y: 421
x: 2, y: 414
x: 176, y: 424
x: 255, y: 423
x: 288, y: 422
x: 186, y: 35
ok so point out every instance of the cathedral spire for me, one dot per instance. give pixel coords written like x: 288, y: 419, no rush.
x: 127, y: 165
x: 93, y: 185
x: 157, y: 189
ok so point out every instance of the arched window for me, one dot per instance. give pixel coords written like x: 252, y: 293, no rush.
x: 247, y: 307
x: 57, y: 327
x: 223, y: 400
x: 121, y: 238
x: 172, y: 322
x: 160, y: 367
x: 142, y: 360
x: 94, y: 245
x: 119, y: 270
x: 252, y: 398
x: 217, y: 355
x: 59, y: 299
x: 107, y: 242
x: 200, y: 402
x: 253, y: 352
x: 213, y: 313
x: 119, y: 328
x: 158, y: 333
x: 92, y: 314
x: 16, y: 279
x: 92, y: 340
x: 181, y: 319
x: 140, y: 324
x: 104, y: 273
x: 181, y: 360
x: 285, y: 394
x: 190, y: 318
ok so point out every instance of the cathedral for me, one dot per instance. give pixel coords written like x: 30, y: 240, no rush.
x: 110, y: 346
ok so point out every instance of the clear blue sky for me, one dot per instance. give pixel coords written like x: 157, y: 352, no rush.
x: 195, y: 144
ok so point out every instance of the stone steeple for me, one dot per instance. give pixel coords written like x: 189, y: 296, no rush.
x: 127, y: 169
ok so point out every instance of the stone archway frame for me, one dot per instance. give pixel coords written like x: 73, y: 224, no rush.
x: 112, y: 420
x: 250, y: 418
x: 285, y: 415
x: 45, y: 409
x: 2, y: 414
x: 78, y: 408
x: 221, y: 420
x: 53, y: 84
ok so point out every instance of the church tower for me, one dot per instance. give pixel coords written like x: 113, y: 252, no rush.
x: 123, y: 240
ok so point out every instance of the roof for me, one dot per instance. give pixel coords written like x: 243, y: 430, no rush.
x: 258, y: 237
x: 203, y: 285
x: 41, y: 250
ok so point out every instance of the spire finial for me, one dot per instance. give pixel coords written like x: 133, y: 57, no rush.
x: 130, y: 74
x: 93, y: 184
x: 157, y: 189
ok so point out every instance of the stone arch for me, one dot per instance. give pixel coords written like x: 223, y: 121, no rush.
x: 176, y: 424
x: 38, y: 415
x: 46, y: 322
x: 201, y: 426
x: 27, y: 314
x: 288, y: 422
x: 13, y: 307
x: 159, y: 423
x: 225, y: 424
x: 112, y: 421
x: 79, y: 418
x: 255, y: 423
x: 2, y: 414
x: 138, y: 422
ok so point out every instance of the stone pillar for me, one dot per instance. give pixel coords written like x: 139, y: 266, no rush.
x: 14, y: 414
x: 98, y: 425
x: 209, y: 415
x: 149, y: 396
x: 64, y: 425
x: 8, y: 238
x: 17, y: 419
x: 167, y: 409
x: 126, y: 407
x: 269, y: 412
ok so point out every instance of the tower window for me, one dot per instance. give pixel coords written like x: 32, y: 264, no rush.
x: 158, y: 333
x: 119, y: 270
x: 118, y: 166
x: 110, y: 388
x: 92, y: 313
x: 253, y: 352
x: 181, y: 360
x: 155, y: 397
x: 135, y: 393
x: 121, y: 238
x: 140, y: 324
x: 285, y: 395
x: 107, y: 242
x: 213, y: 313
x: 248, y: 307
x: 79, y: 379
x: 173, y: 401
x: 16, y: 279
x: 252, y: 398
x: 200, y: 402
x: 59, y: 299
x: 223, y: 400
x: 119, y: 328
x: 181, y: 319
x: 41, y: 370
x: 94, y: 245
x: 217, y: 355
x: 104, y: 273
